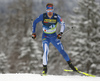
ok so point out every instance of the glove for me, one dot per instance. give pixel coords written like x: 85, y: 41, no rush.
x: 59, y: 36
x: 34, y: 36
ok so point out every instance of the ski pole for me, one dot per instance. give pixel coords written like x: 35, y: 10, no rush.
x: 68, y: 30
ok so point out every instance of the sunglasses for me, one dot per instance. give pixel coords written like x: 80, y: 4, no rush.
x: 49, y: 10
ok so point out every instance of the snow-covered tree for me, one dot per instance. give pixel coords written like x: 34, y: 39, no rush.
x: 18, y: 30
x: 86, y: 35
x: 4, y: 67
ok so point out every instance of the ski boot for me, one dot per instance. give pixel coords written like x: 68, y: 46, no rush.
x: 72, y: 66
x: 44, y: 73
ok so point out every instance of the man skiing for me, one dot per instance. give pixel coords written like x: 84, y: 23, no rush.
x: 49, y: 21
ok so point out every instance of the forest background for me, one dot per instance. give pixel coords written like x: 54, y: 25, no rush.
x: 19, y: 53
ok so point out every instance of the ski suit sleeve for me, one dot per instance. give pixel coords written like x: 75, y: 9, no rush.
x: 59, y: 19
x: 40, y: 18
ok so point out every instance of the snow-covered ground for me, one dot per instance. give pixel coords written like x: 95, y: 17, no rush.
x: 37, y: 77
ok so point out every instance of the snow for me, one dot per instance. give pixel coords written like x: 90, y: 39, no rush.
x: 38, y: 77
x: 93, y: 65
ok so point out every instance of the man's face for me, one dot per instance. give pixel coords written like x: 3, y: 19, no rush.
x: 50, y: 12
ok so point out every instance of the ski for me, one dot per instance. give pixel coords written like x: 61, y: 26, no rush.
x: 81, y: 73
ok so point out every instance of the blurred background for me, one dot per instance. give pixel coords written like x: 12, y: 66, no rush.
x: 19, y: 53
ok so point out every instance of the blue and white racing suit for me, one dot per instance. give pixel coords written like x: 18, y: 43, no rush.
x: 49, y: 34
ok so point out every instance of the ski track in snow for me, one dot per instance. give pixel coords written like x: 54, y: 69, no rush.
x: 38, y: 77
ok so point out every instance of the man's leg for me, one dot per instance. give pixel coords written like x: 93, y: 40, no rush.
x: 45, y: 54
x: 45, y: 43
x: 57, y: 43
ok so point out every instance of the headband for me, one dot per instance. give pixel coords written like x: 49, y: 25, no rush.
x: 49, y: 7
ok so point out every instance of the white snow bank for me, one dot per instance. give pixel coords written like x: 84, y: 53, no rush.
x: 37, y: 77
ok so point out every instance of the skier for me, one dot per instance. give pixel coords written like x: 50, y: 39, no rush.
x: 49, y: 21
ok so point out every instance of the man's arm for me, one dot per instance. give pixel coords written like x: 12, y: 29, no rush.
x: 59, y: 19
x: 40, y: 18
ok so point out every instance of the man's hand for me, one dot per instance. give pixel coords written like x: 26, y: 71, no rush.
x: 59, y: 36
x: 34, y: 36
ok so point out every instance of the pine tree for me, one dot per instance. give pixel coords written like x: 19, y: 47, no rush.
x: 86, y: 35
x: 23, y: 56
x: 4, y: 66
